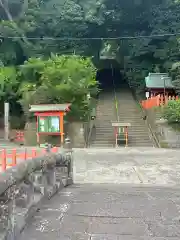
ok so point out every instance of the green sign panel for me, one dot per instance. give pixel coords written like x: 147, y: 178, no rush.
x: 48, y: 124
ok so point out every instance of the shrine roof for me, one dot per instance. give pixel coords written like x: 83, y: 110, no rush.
x: 49, y: 107
x: 157, y: 80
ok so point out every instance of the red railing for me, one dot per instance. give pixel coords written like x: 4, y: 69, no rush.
x: 9, y: 158
x: 157, y: 101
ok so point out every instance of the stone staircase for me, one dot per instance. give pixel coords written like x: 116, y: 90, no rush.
x: 128, y: 111
x: 104, y: 134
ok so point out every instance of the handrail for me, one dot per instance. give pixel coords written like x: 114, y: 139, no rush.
x: 116, y: 101
x: 151, y: 130
x: 26, y: 185
x: 155, y: 139
x: 91, y: 123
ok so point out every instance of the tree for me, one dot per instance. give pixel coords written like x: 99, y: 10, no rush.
x: 8, y: 83
x: 60, y: 79
x: 28, y: 22
x: 50, y: 18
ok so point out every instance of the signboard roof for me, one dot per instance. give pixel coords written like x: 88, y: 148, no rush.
x: 49, y: 107
x: 118, y: 124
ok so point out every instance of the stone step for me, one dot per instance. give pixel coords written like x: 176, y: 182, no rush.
x: 106, y: 136
x: 128, y: 112
x: 104, y: 141
x: 135, y: 140
x: 102, y: 146
x: 132, y: 129
x: 109, y: 123
x: 130, y: 136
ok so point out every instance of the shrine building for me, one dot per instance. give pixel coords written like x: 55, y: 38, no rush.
x: 159, y: 83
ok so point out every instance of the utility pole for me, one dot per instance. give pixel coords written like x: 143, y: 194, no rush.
x: 164, y: 81
x: 6, y: 121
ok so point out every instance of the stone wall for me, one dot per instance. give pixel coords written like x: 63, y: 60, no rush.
x: 24, y: 187
x: 153, y: 115
x: 167, y: 136
x: 76, y: 132
x: 170, y: 134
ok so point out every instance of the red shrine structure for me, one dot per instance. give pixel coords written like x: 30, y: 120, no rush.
x: 50, y: 119
x: 159, y: 83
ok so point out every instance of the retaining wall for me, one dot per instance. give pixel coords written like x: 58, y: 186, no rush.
x: 25, y: 186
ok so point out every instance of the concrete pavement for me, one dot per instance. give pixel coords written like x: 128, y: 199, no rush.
x: 108, y: 212
x: 127, y: 165
x: 124, y: 194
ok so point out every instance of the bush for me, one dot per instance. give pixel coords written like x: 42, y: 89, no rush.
x: 171, y: 112
x: 60, y: 79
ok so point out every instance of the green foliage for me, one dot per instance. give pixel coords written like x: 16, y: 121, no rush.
x: 171, y: 112
x: 60, y: 79
x: 50, y: 18
x: 8, y: 83
x: 92, y: 18
x: 175, y: 72
x: 27, y: 22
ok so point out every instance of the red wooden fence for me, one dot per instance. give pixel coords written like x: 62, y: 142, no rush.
x: 157, y: 101
x: 10, y: 159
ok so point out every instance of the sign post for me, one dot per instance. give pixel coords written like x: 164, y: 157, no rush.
x: 121, y: 132
x: 147, y: 95
x: 6, y: 121
x: 50, y: 119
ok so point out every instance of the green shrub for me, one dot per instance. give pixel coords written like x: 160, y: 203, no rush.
x: 60, y: 79
x: 171, y: 112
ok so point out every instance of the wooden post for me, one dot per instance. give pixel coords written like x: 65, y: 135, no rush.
x: 158, y: 101
x: 116, y: 140
x: 25, y: 154
x: 126, y: 136
x: 14, y: 157
x: 33, y: 153
x: 37, y: 130
x: 166, y: 100
x: 115, y: 133
x: 61, y: 125
x: 6, y: 121
x: 3, y: 160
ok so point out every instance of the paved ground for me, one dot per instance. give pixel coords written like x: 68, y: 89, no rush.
x: 108, y: 212
x: 127, y: 165
x: 139, y: 200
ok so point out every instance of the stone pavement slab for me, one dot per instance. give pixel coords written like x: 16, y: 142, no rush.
x: 108, y: 212
x: 127, y: 165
